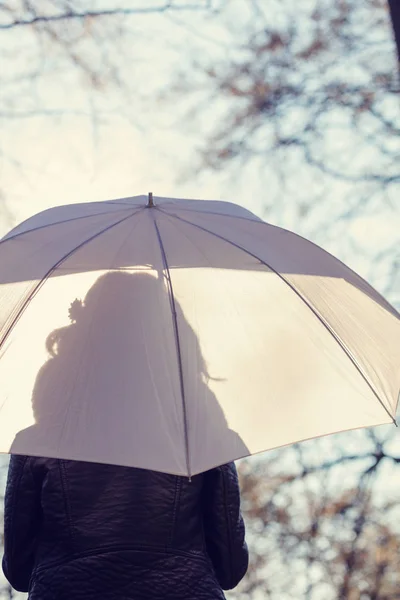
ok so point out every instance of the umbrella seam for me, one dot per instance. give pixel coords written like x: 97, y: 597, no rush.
x: 53, y: 268
x: 327, y: 326
x: 8, y: 239
x: 387, y: 304
x: 177, y: 343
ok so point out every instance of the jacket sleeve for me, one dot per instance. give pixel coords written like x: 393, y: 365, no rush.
x: 224, y: 527
x: 22, y: 517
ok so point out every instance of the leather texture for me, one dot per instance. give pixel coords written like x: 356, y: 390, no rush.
x: 76, y: 530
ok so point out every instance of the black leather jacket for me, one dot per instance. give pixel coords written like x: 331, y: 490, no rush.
x: 88, y: 531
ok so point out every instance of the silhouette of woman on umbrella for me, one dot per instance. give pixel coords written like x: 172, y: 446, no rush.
x: 101, y: 530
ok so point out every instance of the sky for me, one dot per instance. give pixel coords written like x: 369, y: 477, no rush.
x: 93, y: 146
x: 130, y: 147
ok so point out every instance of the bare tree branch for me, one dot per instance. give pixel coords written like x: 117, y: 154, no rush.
x: 92, y: 14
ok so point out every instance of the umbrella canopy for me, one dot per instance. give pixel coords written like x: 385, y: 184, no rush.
x: 180, y: 335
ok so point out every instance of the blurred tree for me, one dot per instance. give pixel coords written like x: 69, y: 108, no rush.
x: 305, y: 99
x: 83, y: 30
x: 318, y: 523
x: 50, y: 49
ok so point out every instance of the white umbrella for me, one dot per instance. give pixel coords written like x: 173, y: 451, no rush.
x: 182, y: 334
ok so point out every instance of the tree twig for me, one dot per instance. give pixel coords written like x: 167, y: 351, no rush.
x: 91, y: 14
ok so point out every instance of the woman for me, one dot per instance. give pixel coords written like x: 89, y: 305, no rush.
x: 84, y: 530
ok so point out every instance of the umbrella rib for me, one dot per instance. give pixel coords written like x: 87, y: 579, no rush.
x: 53, y: 268
x: 386, y: 304
x: 8, y: 239
x: 177, y: 343
x: 213, y: 213
x: 306, y: 302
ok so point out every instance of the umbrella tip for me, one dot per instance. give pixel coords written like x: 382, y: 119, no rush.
x: 150, y: 202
